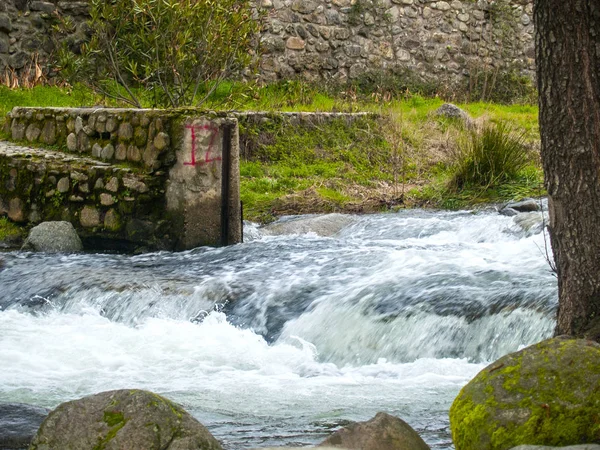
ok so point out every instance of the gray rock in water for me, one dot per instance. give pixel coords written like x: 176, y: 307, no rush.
x: 450, y: 111
x: 53, y: 237
x: 571, y: 447
x: 124, y: 419
x: 18, y: 424
x: 530, y: 222
x: 509, y: 212
x: 327, y: 225
x: 526, y: 205
x: 383, y: 432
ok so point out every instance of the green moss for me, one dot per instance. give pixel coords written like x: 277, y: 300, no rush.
x: 538, y: 397
x: 115, y: 420
x: 9, y: 230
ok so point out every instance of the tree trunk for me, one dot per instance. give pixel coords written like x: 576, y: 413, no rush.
x: 568, y: 73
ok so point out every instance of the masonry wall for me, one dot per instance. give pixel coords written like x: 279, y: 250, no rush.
x: 442, y: 41
x: 126, y: 178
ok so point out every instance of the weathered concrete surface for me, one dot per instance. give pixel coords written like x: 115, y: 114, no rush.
x: 126, y: 179
x: 195, y: 183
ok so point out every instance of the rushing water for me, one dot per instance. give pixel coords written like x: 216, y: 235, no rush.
x: 281, y: 339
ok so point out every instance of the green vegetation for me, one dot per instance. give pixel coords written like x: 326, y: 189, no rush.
x: 9, y: 231
x: 489, y: 156
x: 548, y: 401
x: 407, y: 158
x: 172, y: 52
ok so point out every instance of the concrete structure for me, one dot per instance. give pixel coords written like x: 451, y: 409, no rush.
x: 125, y: 178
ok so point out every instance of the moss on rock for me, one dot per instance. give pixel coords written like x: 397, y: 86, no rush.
x: 546, y: 394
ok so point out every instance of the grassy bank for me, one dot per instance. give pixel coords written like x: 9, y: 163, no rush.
x: 409, y: 157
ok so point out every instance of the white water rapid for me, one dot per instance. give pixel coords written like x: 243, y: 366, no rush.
x: 281, y: 339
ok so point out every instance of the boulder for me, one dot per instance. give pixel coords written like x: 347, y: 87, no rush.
x: 547, y: 394
x: 450, y: 111
x: 123, y: 419
x: 326, y: 225
x: 383, y: 432
x: 570, y: 447
x: 53, y: 237
x: 525, y: 205
x: 19, y: 423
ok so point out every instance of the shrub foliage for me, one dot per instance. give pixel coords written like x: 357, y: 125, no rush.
x: 494, y: 154
x: 176, y: 50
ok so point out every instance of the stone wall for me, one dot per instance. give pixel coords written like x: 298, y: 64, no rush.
x: 326, y: 39
x: 438, y: 40
x: 133, y: 178
x: 27, y: 31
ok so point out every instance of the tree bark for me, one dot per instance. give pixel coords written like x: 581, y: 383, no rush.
x: 568, y: 76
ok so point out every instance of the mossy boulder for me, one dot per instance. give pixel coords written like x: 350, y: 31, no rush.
x: 124, y: 419
x: 547, y: 394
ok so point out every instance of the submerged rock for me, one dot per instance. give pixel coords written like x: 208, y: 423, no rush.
x: 327, y: 225
x: 53, y: 237
x: 124, y: 419
x: 525, y: 205
x: 19, y: 423
x: 546, y: 394
x: 531, y: 222
x: 383, y: 432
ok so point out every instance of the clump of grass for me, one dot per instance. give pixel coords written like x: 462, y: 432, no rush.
x: 494, y: 154
x: 9, y: 231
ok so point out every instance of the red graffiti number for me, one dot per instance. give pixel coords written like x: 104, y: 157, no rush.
x: 214, y: 132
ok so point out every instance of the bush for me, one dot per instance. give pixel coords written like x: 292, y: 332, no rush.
x: 495, y: 154
x: 177, y: 51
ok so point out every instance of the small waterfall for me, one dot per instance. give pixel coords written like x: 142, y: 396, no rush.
x: 275, y: 341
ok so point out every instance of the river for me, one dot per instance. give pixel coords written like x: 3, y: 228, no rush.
x: 281, y: 339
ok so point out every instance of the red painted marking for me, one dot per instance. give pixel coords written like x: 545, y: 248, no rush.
x: 214, y: 133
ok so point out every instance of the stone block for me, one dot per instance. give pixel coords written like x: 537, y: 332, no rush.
x: 16, y: 211
x: 44, y: 7
x: 106, y: 199
x: 121, y: 152
x: 113, y: 184
x: 112, y: 220
x: 5, y: 23
x: 33, y: 132
x: 89, y: 217
x: 125, y: 132
x: 108, y: 152
x: 161, y: 141
x: 63, y: 185
x: 49, y: 132
x: 134, y: 154
x: 72, y: 142
x: 295, y: 43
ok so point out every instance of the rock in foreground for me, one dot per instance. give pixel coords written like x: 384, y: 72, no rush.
x: 570, y: 447
x: 124, y: 419
x: 383, y: 432
x: 547, y: 394
x: 18, y: 424
x: 53, y: 237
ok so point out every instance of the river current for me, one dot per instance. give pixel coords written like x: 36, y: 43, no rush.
x: 282, y: 339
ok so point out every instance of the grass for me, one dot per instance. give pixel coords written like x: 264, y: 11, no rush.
x: 9, y: 231
x: 408, y: 159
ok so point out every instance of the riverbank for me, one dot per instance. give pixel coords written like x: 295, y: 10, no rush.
x: 405, y: 159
